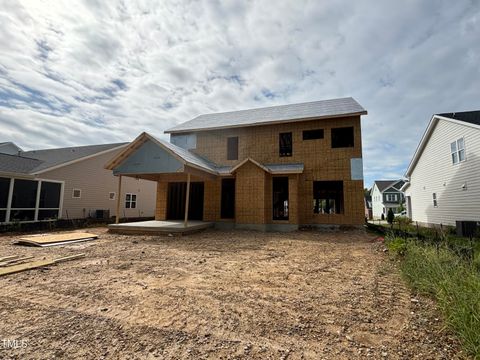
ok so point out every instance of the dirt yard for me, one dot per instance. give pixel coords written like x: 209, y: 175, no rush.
x: 218, y: 295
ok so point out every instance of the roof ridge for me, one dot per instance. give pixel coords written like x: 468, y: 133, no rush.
x: 272, y: 106
x: 75, y: 147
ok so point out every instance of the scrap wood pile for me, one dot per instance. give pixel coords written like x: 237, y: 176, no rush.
x: 15, y: 263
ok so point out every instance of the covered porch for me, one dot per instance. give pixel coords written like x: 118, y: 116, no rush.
x: 151, y: 159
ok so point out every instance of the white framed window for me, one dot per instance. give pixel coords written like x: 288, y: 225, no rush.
x: 76, y: 193
x: 435, y: 202
x: 392, y: 197
x: 457, y: 150
x: 112, y: 195
x: 130, y: 201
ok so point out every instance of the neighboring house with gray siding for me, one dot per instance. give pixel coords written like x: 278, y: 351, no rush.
x: 386, y: 195
x: 9, y: 148
x: 444, y: 174
x: 68, y: 183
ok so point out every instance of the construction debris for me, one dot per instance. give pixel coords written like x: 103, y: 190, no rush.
x: 36, y: 264
x: 57, y: 239
x: 15, y: 259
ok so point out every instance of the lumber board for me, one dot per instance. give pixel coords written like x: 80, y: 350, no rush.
x: 6, y: 258
x: 24, y: 267
x: 68, y: 258
x: 60, y: 243
x: 50, y: 239
x: 12, y: 269
x: 16, y: 260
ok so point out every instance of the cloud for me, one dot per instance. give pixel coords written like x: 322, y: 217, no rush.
x: 75, y: 72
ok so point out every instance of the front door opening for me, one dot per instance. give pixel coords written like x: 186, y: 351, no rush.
x: 227, y: 210
x: 177, y: 192
x: 280, y: 198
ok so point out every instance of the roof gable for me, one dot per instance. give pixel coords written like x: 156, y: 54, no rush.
x: 427, y: 134
x: 149, y: 158
x: 272, y: 115
x: 382, y: 185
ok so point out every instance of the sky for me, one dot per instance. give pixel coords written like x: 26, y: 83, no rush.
x: 91, y: 72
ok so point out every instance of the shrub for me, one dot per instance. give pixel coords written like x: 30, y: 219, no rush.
x: 390, y: 216
x: 403, y: 220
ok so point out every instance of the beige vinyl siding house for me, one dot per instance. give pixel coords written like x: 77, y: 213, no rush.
x: 440, y: 191
x: 69, y: 183
x: 96, y: 185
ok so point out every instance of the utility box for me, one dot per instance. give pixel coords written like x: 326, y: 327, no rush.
x: 467, y: 228
x: 102, y: 214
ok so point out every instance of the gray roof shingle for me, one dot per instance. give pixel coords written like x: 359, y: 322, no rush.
x: 17, y: 164
x: 273, y: 114
x: 385, y: 184
x: 54, y: 157
x: 472, y: 117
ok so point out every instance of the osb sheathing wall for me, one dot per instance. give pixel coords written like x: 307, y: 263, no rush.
x: 254, y: 186
x: 211, y: 209
x: 320, y: 160
x: 250, y: 195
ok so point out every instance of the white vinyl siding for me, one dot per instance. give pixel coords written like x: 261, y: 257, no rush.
x: 456, y: 188
x: 377, y: 202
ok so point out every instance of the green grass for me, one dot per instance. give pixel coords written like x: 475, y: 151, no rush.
x: 439, y: 272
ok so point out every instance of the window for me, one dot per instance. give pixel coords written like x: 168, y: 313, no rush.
x: 4, y: 190
x: 111, y: 196
x: 24, y: 205
x: 392, y: 197
x: 328, y: 197
x: 343, y: 137
x: 130, y: 201
x: 285, y: 144
x: 77, y: 193
x: 232, y: 148
x: 435, y: 203
x: 50, y: 195
x: 24, y: 200
x: 227, y: 210
x: 313, y: 134
x: 280, y: 198
x: 457, y: 149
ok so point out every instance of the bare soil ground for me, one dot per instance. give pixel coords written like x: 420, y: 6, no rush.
x: 219, y: 295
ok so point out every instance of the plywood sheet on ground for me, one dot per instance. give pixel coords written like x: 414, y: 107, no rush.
x: 44, y: 240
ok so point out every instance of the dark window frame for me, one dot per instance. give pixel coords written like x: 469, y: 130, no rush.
x: 130, y: 201
x: 339, y: 137
x: 232, y: 148
x: 285, y: 144
x: 313, y: 134
x: 328, y: 195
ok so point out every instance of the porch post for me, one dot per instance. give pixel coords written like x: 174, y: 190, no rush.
x: 187, y: 200
x: 119, y: 196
